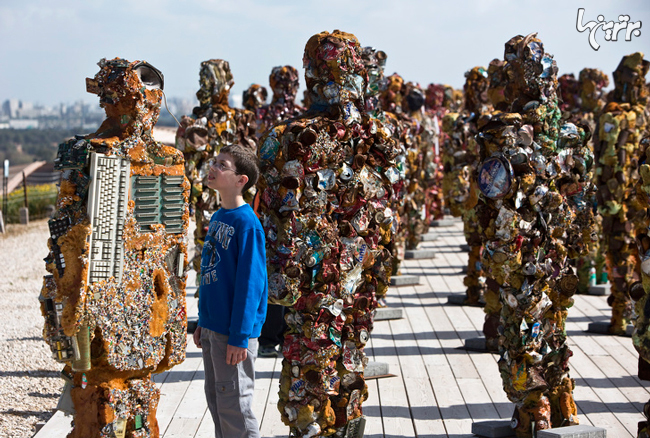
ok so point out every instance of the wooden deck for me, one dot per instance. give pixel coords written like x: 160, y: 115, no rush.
x: 440, y: 389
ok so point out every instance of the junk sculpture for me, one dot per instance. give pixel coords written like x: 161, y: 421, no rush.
x: 618, y: 153
x: 212, y: 125
x: 284, y: 84
x: 375, y: 61
x: 326, y: 181
x: 532, y: 177
x: 583, y: 100
x: 461, y: 157
x: 427, y: 127
x: 412, y: 204
x: 497, y: 80
x: 639, y: 292
x: 254, y: 97
x: 114, y: 304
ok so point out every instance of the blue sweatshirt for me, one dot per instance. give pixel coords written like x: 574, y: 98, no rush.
x: 234, y: 286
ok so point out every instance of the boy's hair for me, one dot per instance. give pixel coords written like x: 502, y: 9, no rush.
x: 245, y: 161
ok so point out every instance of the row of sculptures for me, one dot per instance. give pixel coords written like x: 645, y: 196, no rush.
x: 537, y: 167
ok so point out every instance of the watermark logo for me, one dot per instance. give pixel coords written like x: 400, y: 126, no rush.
x: 611, y: 29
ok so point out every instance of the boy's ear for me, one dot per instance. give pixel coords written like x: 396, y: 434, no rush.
x: 243, y: 179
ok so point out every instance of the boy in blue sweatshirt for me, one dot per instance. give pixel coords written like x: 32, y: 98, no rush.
x: 232, y: 302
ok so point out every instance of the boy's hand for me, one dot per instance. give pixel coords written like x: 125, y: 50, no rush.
x: 234, y: 355
x: 197, y: 337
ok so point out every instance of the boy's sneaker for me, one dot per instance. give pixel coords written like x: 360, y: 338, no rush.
x: 267, y: 351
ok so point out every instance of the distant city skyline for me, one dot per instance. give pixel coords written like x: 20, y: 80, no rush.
x: 50, y: 48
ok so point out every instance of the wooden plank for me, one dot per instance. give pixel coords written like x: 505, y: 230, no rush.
x: 264, y: 367
x: 628, y: 385
x: 372, y: 412
x: 194, y: 404
x: 425, y: 416
x: 423, y: 406
x: 59, y: 425
x: 395, y: 410
x: 477, y: 400
x: 206, y: 428
x: 597, y: 409
x: 445, y: 388
x: 175, y: 386
x: 488, y: 370
x: 181, y: 427
x: 271, y: 424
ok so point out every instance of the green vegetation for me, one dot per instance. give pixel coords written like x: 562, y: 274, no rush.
x: 22, y: 146
x: 38, y: 199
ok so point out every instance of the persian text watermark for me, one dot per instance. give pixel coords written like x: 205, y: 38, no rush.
x: 611, y: 29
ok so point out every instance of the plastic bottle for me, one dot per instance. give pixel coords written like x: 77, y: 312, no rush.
x: 592, y: 276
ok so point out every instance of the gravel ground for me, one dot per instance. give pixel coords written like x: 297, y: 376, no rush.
x: 29, y: 378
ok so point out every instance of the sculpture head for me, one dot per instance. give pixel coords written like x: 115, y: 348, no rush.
x: 531, y: 72
x: 497, y: 80
x: 392, y: 98
x: 334, y: 71
x: 434, y: 96
x: 592, y: 82
x: 284, y: 83
x: 629, y: 80
x: 375, y: 61
x: 569, y: 88
x: 254, y: 97
x: 216, y: 81
x: 476, y: 87
x: 414, y: 96
x: 129, y: 92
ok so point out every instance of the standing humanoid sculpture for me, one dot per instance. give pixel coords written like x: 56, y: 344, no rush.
x: 326, y: 182
x: 284, y: 84
x: 461, y: 158
x: 115, y: 302
x: 532, y: 176
x: 254, y: 97
x: 618, y: 152
x: 212, y: 125
x: 583, y: 100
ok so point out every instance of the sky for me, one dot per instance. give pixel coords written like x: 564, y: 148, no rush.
x: 48, y: 48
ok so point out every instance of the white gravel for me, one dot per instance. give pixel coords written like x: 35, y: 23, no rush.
x: 29, y: 378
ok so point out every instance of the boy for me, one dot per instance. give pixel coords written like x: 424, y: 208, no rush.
x: 232, y: 302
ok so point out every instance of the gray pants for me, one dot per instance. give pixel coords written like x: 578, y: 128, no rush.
x: 229, y: 389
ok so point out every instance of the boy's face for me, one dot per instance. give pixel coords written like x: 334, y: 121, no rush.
x: 223, y: 176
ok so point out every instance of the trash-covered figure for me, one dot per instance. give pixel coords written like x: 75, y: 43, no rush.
x: 532, y: 175
x: 412, y: 211
x: 254, y: 97
x: 375, y: 61
x: 114, y: 304
x: 497, y: 81
x: 428, y: 137
x: 461, y: 157
x: 284, y: 84
x: 582, y: 102
x: 640, y: 291
x: 326, y: 184
x: 438, y: 101
x: 212, y: 125
x: 617, y: 151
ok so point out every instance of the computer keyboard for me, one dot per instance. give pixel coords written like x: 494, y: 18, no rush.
x: 107, y: 206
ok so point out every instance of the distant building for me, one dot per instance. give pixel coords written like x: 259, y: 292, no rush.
x: 10, y: 107
x: 23, y: 124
